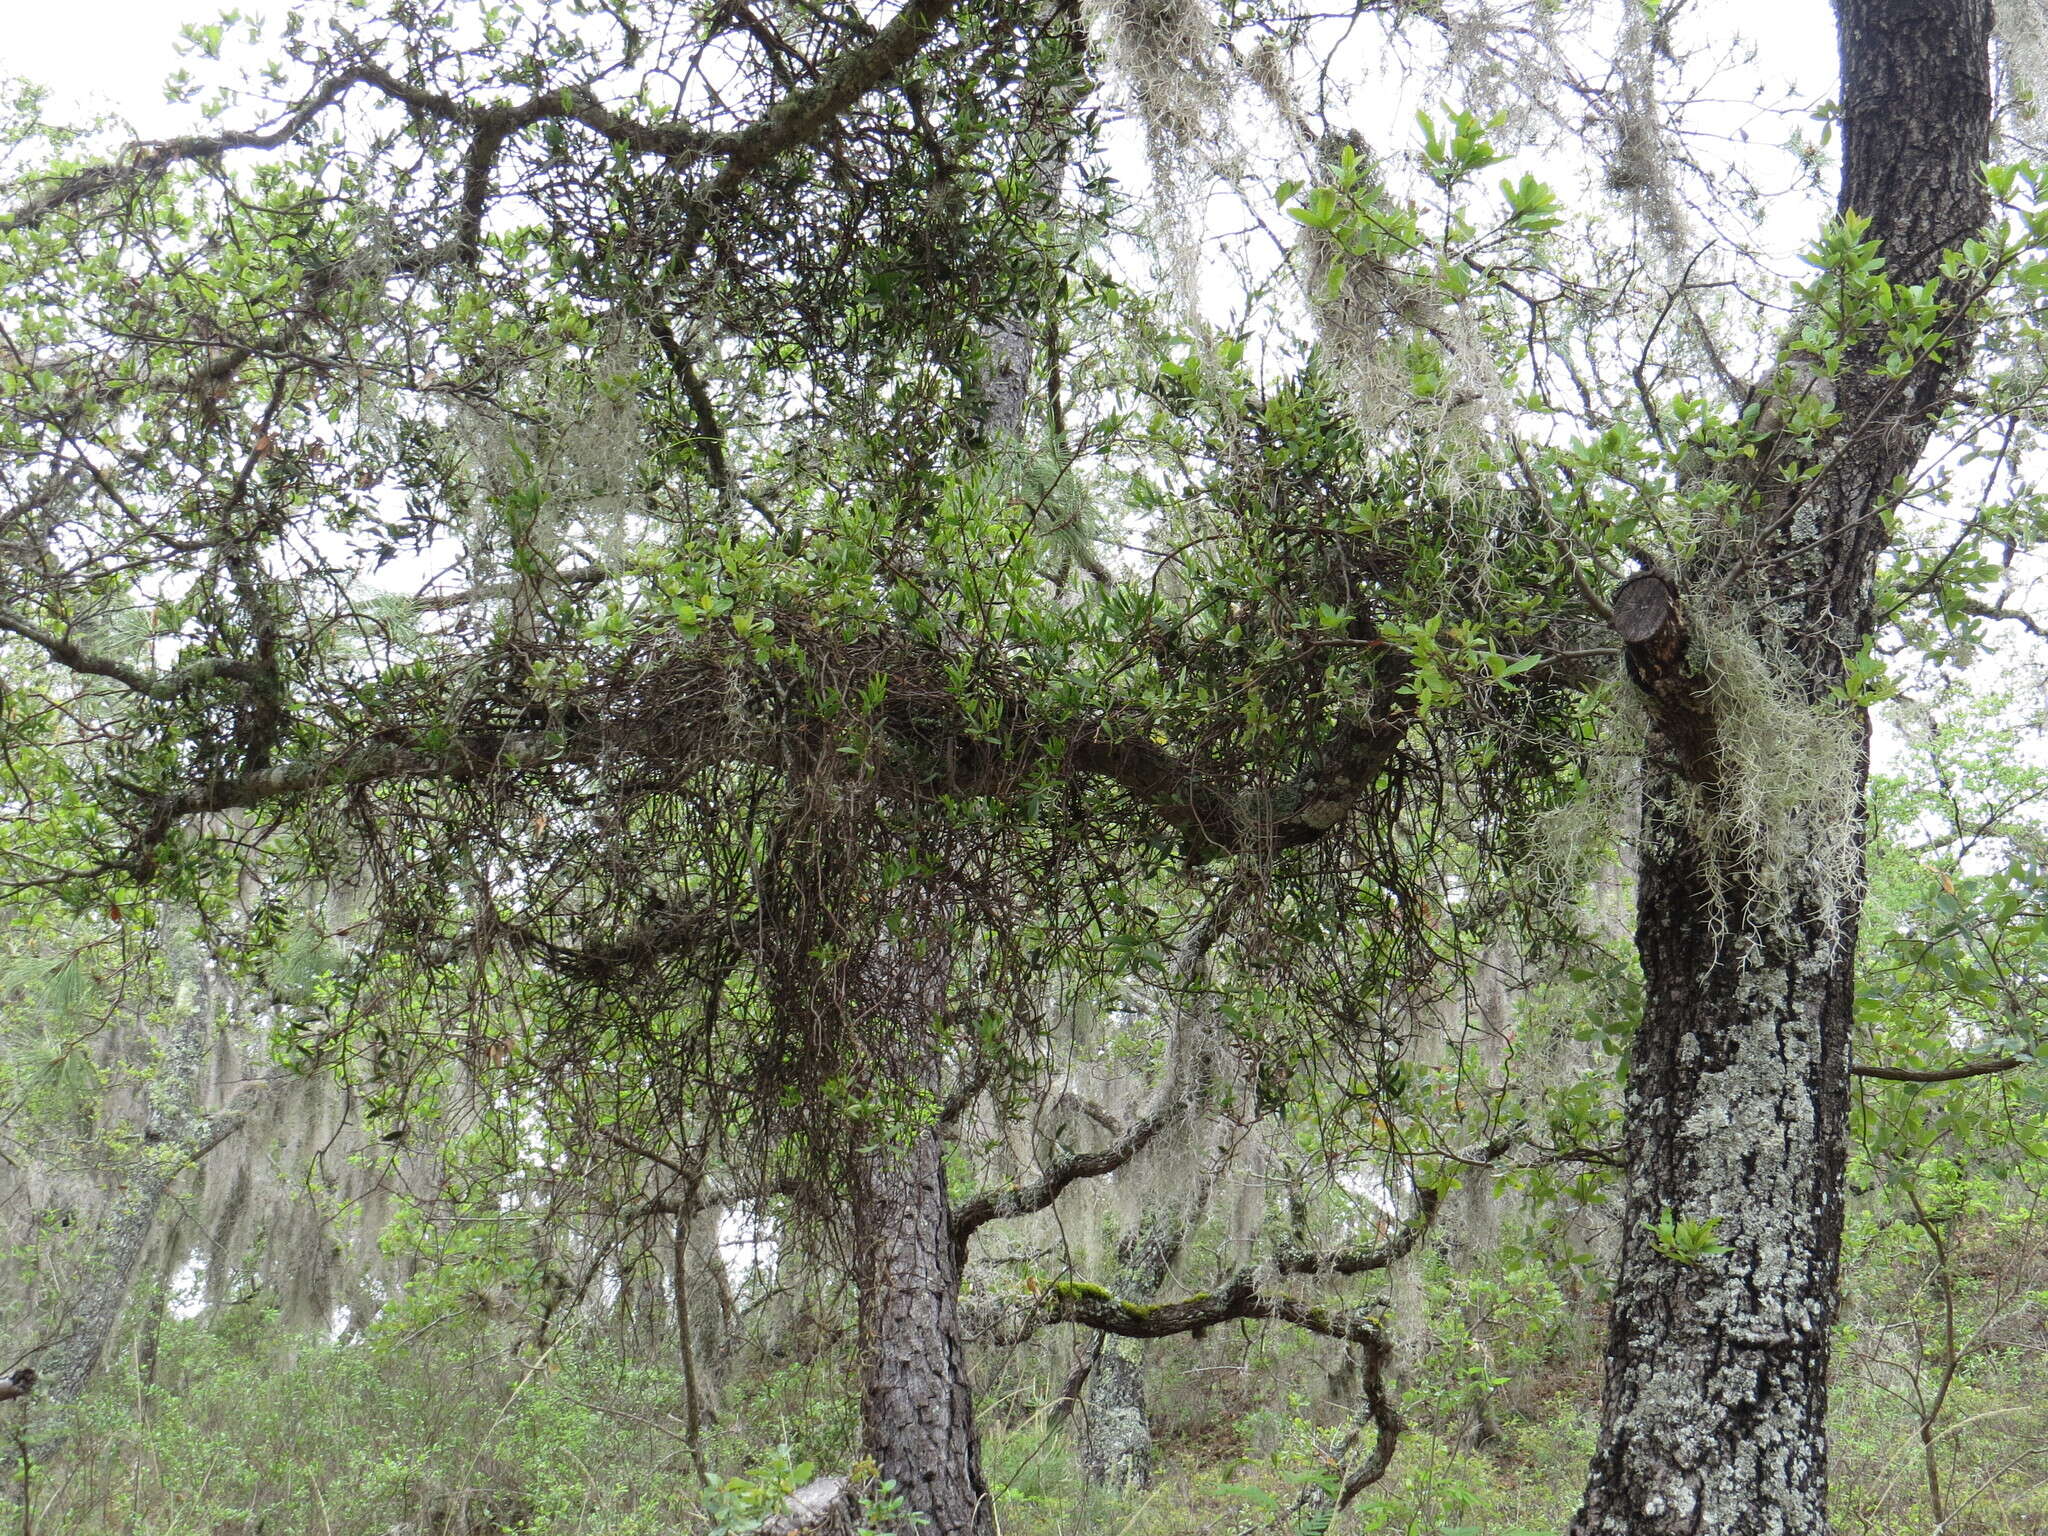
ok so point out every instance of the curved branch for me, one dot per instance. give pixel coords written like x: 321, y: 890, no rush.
x: 162, y: 687
x: 1114, y: 747
x: 144, y: 161
x: 1175, y: 1101
x: 793, y: 120
x: 1027, y: 1199
x: 1294, y: 1260
x: 1241, y: 1298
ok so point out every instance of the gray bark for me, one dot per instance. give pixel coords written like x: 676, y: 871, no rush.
x: 1116, y: 1438
x: 177, y: 1135
x: 1737, y: 1097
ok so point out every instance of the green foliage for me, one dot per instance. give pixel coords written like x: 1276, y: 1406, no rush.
x: 777, y: 771
x: 1684, y: 1240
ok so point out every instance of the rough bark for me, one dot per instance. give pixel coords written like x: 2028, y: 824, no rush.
x: 122, y: 1239
x: 1116, y: 1425
x: 1116, y: 1435
x: 917, y: 1410
x: 177, y: 1135
x: 1737, y: 1098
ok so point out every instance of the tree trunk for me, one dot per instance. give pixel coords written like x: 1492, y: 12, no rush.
x: 124, y: 1235
x: 1116, y: 1439
x: 709, y: 1300
x: 917, y: 1410
x: 176, y: 1135
x: 1737, y: 1099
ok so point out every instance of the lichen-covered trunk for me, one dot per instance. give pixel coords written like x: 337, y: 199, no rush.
x: 175, y: 1136
x: 1714, y: 1419
x: 123, y: 1236
x: 917, y: 1410
x: 1736, y: 1108
x: 1116, y: 1426
x: 1116, y: 1437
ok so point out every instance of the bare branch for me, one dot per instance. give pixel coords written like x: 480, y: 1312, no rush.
x: 794, y: 120
x: 1939, y: 1074
x: 1355, y: 1260
x: 145, y: 161
x: 495, y: 591
x: 1026, y: 1199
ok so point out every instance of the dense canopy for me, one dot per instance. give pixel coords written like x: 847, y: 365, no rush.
x: 694, y: 685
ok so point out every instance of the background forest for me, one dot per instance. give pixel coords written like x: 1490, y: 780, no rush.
x: 1055, y: 767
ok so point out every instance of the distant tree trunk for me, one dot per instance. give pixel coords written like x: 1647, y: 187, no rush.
x: 709, y: 1300
x: 1116, y: 1439
x: 124, y: 1234
x: 1116, y: 1423
x: 1737, y: 1097
x: 149, y: 1345
x: 177, y: 1135
x: 686, y: 1338
x: 917, y: 1409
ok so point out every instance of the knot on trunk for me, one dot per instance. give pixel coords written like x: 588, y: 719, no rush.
x: 1657, y: 647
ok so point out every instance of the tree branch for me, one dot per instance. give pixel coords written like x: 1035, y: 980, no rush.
x: 494, y: 591
x: 1238, y: 1298
x: 143, y: 161
x: 1026, y: 1199
x: 1113, y: 747
x: 1939, y: 1074
x: 1294, y: 1260
x: 1657, y: 648
x: 805, y: 113
x: 794, y: 120
x: 162, y: 687
x: 1241, y: 1298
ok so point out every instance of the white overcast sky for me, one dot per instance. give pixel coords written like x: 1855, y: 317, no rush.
x: 104, y: 55
x: 115, y: 54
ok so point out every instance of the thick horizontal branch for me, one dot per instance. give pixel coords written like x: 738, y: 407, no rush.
x: 1113, y: 748
x: 1984, y: 1068
x: 1209, y: 818
x: 1208, y: 821
x: 1240, y: 1297
x: 471, y: 756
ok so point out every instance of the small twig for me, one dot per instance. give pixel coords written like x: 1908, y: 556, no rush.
x: 28, y: 1503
